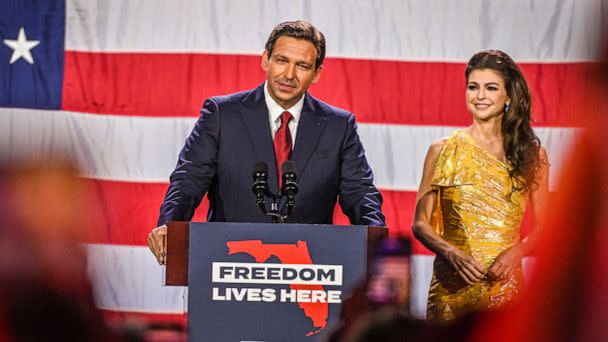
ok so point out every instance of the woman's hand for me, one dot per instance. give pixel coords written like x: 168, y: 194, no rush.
x: 506, y: 263
x: 467, y: 267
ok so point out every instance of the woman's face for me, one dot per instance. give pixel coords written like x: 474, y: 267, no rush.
x: 486, y: 94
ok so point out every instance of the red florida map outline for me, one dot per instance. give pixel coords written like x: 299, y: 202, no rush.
x: 288, y: 254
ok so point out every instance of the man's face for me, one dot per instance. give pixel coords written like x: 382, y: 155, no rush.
x: 290, y: 69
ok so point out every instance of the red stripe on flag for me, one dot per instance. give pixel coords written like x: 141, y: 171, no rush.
x: 390, y: 92
x: 125, y: 212
x: 148, y: 321
x: 399, y: 209
x: 112, y: 315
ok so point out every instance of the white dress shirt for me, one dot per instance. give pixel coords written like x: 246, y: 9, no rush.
x: 274, y: 115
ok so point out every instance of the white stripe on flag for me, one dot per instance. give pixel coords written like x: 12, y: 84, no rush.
x: 128, y: 278
x: 145, y: 149
x: 431, y: 30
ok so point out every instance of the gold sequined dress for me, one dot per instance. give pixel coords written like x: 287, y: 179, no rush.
x: 478, y: 212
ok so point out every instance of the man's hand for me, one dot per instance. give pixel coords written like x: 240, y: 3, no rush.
x: 506, y: 263
x: 157, y: 241
x: 467, y: 267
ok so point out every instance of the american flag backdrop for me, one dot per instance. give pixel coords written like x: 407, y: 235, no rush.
x: 118, y: 85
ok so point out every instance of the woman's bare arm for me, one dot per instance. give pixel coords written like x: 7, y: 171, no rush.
x: 469, y: 269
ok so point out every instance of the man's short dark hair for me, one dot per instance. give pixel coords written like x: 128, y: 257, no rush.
x: 300, y: 30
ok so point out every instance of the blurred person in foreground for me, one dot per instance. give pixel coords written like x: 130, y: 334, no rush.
x: 474, y: 190
x: 389, y: 325
x: 567, y: 296
x: 45, y: 293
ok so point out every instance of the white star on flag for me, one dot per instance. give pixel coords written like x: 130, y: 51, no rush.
x: 21, y: 47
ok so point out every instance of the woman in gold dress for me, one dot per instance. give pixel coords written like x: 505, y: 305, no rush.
x: 474, y: 190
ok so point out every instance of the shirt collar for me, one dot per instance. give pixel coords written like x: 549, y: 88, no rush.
x: 275, y: 110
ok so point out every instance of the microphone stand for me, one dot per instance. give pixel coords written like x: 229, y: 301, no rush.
x: 274, y: 213
x: 274, y: 210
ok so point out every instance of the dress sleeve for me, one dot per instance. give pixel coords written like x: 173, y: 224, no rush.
x: 451, y: 168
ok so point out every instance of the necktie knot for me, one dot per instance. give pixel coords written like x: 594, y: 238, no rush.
x: 285, y: 117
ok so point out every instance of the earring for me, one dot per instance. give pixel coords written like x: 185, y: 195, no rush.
x: 507, y: 107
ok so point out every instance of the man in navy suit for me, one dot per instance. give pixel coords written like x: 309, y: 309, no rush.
x: 236, y: 131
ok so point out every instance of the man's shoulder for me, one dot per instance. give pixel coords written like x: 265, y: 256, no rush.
x: 234, y: 98
x: 330, y: 110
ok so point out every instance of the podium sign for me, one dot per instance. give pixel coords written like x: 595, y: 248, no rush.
x: 270, y: 282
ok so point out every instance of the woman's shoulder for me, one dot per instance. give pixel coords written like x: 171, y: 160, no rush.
x: 439, y: 145
x: 542, y: 153
x: 435, y: 156
x: 452, y: 160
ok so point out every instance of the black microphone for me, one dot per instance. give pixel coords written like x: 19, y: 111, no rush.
x: 290, y: 186
x: 260, y: 184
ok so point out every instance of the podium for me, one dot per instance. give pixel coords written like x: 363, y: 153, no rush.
x: 266, y: 282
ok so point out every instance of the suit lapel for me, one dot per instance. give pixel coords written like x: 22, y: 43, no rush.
x: 255, y: 117
x: 311, y: 125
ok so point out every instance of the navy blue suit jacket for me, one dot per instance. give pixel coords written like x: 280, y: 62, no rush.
x: 233, y: 134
